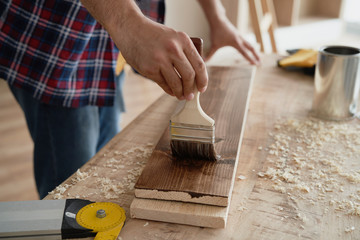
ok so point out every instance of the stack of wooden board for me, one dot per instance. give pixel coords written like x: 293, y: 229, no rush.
x: 192, y: 191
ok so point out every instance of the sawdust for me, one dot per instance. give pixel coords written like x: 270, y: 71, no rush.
x: 108, y: 184
x: 241, y: 206
x: 317, y: 163
x: 79, y: 176
x: 349, y: 229
x: 241, y: 177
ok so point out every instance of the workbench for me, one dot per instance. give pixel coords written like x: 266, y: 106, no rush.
x: 257, y: 210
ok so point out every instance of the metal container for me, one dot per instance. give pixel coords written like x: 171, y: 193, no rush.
x: 337, y: 82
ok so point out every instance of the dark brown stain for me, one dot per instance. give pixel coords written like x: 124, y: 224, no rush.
x: 224, y: 101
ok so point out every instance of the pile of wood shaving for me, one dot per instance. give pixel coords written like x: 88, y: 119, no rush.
x: 316, y: 163
x: 131, y: 161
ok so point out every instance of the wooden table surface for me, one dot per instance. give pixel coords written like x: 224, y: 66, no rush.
x: 258, y: 210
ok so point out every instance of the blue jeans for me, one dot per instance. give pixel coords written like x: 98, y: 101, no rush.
x: 66, y: 138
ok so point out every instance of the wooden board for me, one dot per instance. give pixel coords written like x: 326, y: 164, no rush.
x: 193, y: 214
x: 202, y: 181
x: 256, y: 210
x: 187, y: 187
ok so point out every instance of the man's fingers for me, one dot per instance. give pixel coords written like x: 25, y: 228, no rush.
x: 253, y: 51
x: 187, y: 73
x: 162, y: 83
x: 173, y: 81
x: 201, y: 77
x: 241, y: 48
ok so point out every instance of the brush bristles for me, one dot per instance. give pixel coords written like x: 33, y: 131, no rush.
x: 193, y: 150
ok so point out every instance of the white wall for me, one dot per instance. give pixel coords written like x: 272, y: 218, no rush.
x: 351, y: 11
x: 187, y: 16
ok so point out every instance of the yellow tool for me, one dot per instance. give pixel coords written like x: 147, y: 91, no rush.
x: 300, y: 59
x: 60, y: 219
x: 104, y: 218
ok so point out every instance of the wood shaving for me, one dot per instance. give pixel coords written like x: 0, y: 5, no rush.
x: 241, y: 177
x: 316, y: 162
x: 241, y: 208
x: 302, y: 217
x: 349, y: 229
x: 127, y: 163
x: 79, y: 176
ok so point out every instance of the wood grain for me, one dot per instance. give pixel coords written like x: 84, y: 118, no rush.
x: 193, y: 214
x: 202, y: 181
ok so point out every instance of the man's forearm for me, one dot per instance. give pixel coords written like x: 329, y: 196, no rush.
x: 214, y: 11
x: 113, y: 15
x: 154, y: 50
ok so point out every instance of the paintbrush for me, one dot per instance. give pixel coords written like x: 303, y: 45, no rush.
x: 192, y: 131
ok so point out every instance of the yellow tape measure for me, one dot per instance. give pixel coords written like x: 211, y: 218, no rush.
x: 105, y: 218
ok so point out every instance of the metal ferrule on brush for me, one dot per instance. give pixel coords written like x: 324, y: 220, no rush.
x: 191, y: 132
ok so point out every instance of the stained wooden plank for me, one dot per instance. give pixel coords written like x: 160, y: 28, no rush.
x: 201, y: 181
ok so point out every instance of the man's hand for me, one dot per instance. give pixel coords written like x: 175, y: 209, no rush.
x: 227, y: 35
x: 157, y: 52
x: 166, y: 56
x: 223, y: 33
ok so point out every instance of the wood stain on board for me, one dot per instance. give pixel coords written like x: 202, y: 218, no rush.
x: 225, y: 101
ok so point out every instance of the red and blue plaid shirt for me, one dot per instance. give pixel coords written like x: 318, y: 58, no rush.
x: 58, y: 52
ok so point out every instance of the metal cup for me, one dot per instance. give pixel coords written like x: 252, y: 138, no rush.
x: 337, y: 82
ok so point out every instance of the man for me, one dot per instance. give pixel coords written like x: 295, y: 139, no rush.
x: 59, y: 58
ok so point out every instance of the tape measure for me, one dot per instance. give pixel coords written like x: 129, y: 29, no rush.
x: 104, y: 218
x: 60, y: 219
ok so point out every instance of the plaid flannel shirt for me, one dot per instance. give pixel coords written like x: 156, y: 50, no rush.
x: 58, y: 52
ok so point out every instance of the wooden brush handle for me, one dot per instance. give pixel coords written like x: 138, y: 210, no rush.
x: 198, y: 43
x: 195, y: 103
x: 192, y: 112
